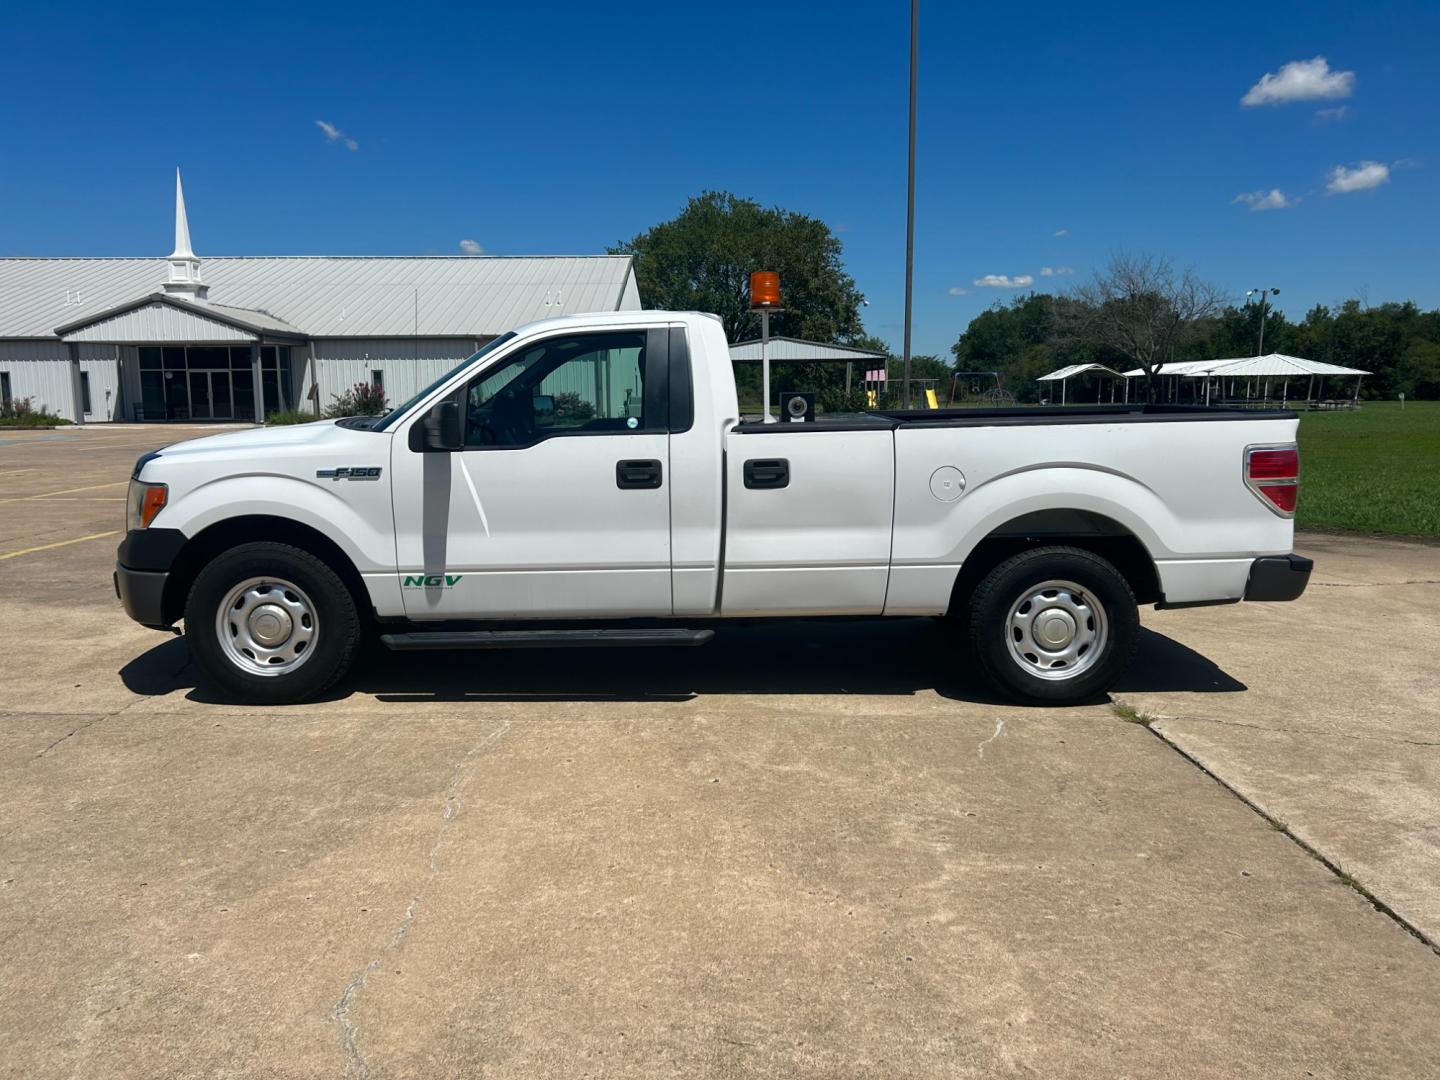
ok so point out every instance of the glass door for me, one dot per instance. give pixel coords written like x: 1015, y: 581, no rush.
x: 220, y: 397
x: 200, y: 395
x: 210, y: 396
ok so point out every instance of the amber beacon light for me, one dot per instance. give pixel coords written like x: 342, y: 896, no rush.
x: 764, y: 289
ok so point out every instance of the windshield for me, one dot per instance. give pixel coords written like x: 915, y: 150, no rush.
x: 400, y: 410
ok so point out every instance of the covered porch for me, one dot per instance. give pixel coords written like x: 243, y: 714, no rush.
x: 184, y: 360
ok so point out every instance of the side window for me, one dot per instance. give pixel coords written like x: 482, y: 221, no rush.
x: 585, y: 384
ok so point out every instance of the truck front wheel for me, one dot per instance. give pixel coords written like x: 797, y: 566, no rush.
x: 271, y: 624
x: 1053, y: 625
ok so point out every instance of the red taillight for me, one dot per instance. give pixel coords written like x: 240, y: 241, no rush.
x: 1274, y: 464
x: 1273, y: 473
x: 1282, y: 495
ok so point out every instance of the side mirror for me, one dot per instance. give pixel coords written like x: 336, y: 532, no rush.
x: 442, y: 427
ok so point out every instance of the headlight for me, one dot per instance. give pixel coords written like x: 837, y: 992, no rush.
x: 143, y: 503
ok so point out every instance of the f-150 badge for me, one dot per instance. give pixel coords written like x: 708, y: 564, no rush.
x: 354, y: 472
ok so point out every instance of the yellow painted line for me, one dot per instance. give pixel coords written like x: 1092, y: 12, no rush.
x: 15, y: 472
x: 66, y: 491
x: 57, y: 544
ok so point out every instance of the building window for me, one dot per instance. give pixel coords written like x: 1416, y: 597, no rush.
x: 5, y: 389
x: 85, y: 393
x: 377, y: 379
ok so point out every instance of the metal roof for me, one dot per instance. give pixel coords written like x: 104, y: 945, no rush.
x: 1276, y: 364
x: 330, y: 296
x: 161, y: 318
x: 1075, y: 369
x: 796, y: 351
x: 1242, y: 366
x: 1178, y: 367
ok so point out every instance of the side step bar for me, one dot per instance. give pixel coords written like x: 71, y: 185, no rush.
x: 541, y: 639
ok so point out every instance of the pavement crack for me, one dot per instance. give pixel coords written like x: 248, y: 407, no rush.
x: 71, y: 734
x: 1310, y: 849
x: 1371, y: 584
x: 999, y: 728
x: 1303, y: 731
x: 86, y: 727
x: 355, y: 1063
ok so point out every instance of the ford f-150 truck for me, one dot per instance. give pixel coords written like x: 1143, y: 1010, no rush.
x: 589, y: 480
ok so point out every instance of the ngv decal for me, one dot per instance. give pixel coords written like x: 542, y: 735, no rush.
x: 354, y: 472
x: 431, y: 581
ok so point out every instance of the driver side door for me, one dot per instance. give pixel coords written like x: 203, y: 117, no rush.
x: 557, y: 505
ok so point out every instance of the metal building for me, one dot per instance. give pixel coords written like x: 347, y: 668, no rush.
x: 182, y: 338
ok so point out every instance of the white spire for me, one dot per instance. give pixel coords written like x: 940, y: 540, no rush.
x: 182, y: 227
x: 185, y: 281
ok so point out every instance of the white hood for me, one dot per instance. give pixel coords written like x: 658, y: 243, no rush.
x: 282, y: 439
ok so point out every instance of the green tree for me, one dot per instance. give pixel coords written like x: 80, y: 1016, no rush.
x: 701, y: 260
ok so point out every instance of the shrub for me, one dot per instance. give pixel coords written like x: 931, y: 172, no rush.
x: 21, y: 412
x: 362, y: 399
x: 290, y: 416
x: 572, y: 409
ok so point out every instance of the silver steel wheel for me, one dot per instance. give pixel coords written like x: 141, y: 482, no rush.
x: 1056, y: 630
x: 267, y: 626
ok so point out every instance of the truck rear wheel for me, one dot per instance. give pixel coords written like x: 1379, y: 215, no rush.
x: 1053, y: 625
x: 271, y: 624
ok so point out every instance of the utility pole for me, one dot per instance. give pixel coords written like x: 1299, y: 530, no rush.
x: 910, y: 195
x: 1260, y: 349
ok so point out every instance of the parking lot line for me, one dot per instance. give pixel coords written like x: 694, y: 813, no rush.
x: 58, y: 544
x: 65, y: 491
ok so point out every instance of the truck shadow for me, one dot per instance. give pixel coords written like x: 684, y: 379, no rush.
x: 902, y: 656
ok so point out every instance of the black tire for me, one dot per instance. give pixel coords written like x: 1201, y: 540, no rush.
x: 1103, y: 599
x: 337, y: 630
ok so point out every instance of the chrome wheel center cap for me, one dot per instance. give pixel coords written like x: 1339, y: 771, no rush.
x: 270, y: 625
x: 1054, y: 629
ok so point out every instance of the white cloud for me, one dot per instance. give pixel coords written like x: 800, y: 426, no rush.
x: 1003, y: 281
x: 1056, y: 271
x: 471, y: 247
x: 1367, y: 174
x: 334, y: 135
x: 1337, y: 114
x: 1274, y: 199
x: 1301, y: 80
x: 1062, y: 232
x: 959, y: 291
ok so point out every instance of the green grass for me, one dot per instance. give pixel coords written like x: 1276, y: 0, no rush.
x: 1130, y: 714
x: 1375, y: 470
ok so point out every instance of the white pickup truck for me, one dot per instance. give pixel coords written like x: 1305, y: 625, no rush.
x: 589, y: 481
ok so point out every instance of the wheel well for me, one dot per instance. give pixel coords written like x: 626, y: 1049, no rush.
x: 224, y: 535
x: 1093, y: 532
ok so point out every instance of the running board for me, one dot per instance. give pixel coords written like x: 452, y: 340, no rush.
x: 541, y: 639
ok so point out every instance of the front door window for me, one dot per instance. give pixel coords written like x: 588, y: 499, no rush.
x: 590, y: 384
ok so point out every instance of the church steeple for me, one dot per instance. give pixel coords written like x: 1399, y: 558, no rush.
x: 185, y: 279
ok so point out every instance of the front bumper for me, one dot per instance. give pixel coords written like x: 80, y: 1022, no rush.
x: 1278, y: 577
x: 142, y: 570
x: 142, y: 595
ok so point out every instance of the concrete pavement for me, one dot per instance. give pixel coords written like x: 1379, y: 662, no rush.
x: 1337, y: 733
x: 807, y: 849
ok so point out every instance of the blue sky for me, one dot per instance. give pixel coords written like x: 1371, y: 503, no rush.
x: 1049, y: 135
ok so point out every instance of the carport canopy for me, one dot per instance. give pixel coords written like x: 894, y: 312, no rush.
x: 1065, y: 374
x: 788, y: 350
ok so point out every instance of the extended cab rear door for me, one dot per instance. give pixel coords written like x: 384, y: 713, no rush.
x: 808, y: 518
